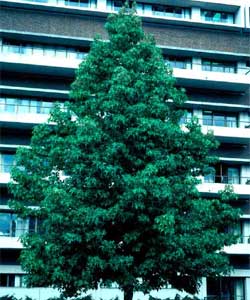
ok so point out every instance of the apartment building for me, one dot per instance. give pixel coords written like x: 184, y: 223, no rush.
x: 207, y: 42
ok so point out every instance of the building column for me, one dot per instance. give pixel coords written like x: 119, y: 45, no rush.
x: 239, y: 16
x: 101, y: 4
x: 246, y: 231
x: 242, y: 68
x: 203, y: 289
x: 196, y: 14
x: 245, y: 174
x: 198, y: 113
x: 247, y: 288
x: 196, y: 64
x: 147, y: 10
x: 244, y: 120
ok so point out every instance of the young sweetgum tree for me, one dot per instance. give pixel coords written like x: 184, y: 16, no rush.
x: 112, y: 179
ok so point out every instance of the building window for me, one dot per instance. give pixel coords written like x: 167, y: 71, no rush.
x: 217, y: 16
x: 142, y: 8
x: 179, y: 62
x: 6, y: 162
x: 223, y: 174
x: 171, y: 11
x: 12, y: 280
x: 35, y: 49
x: 226, y: 288
x: 13, y: 226
x: 115, y: 5
x: 7, y: 280
x: 80, y: 3
x: 211, y: 118
x: 218, y: 66
x: 237, y: 229
x: 25, y: 106
x: 186, y: 117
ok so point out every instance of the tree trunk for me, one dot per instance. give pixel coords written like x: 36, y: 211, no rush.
x: 128, y: 292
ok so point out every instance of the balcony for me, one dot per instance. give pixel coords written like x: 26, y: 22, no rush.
x: 225, y: 128
x: 240, y: 248
x: 41, y: 59
x: 237, y: 81
x: 222, y: 174
x: 58, y: 5
x: 240, y: 186
x: 5, y: 173
x: 239, y: 135
x: 12, y: 228
x: 31, y: 91
x: 63, y: 61
x: 24, y: 112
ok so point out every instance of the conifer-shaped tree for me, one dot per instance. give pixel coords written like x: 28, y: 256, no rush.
x: 112, y: 179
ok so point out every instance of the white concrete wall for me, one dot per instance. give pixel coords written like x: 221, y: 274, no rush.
x: 244, y: 119
x: 104, y: 294
x: 247, y: 288
x: 7, y: 242
x: 196, y: 14
x: 34, y: 293
x: 101, y: 5
x: 246, y: 231
x: 239, y: 16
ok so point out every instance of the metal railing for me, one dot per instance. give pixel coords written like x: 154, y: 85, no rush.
x: 70, y: 53
x: 226, y: 179
x: 26, y: 106
x: 6, y: 168
x: 229, y: 297
x: 244, y: 239
x: 77, y: 3
x: 165, y: 14
x: 219, y: 123
x: 202, y: 67
x: 55, y: 52
x: 14, y: 232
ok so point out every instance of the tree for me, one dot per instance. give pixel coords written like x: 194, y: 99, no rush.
x: 112, y: 179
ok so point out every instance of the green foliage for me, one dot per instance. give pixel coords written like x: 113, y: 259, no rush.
x: 128, y: 207
x: 7, y: 297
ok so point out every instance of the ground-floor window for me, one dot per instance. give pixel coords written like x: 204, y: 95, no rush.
x: 225, y: 288
x: 12, y: 280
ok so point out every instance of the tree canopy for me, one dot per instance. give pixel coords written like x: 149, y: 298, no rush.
x: 112, y: 178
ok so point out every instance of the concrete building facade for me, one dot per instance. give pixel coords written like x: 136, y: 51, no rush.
x: 207, y: 42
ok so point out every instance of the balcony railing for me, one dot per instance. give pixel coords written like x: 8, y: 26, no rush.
x: 226, y: 179
x: 25, y: 106
x: 6, y: 168
x: 72, y: 54
x: 15, y: 232
x: 229, y: 297
x: 217, y: 16
x: 38, y: 51
x: 13, y: 226
x: 76, y: 3
x: 244, y: 239
x: 205, y: 67
x: 217, y: 122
